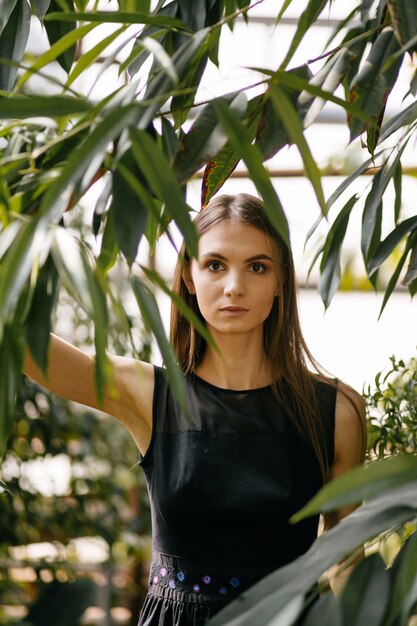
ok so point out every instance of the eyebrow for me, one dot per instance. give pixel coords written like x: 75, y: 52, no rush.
x: 256, y: 257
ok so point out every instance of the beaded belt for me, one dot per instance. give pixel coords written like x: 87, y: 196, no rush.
x: 165, y: 576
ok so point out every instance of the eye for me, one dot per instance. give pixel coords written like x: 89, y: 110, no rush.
x: 258, y: 268
x: 214, y: 266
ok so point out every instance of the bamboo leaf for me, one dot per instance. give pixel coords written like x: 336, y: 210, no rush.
x: 387, y: 246
x: 330, y: 264
x: 89, y: 56
x: 404, y: 20
x: 57, y: 49
x: 398, y: 182
x: 347, y: 182
x: 20, y: 107
x: 294, y: 129
x: 360, y: 483
x: 404, y: 118
x: 152, y: 320
x: 411, y: 274
x: 241, y: 141
x: 13, y: 41
x: 57, y: 30
x: 307, y: 18
x: 404, y: 575
x: 374, y: 200
x: 40, y: 7
x: 394, y: 278
x: 11, y: 357
x: 116, y: 17
x: 325, y: 612
x: 85, y: 160
x: 372, y: 85
x: 38, y: 323
x: 160, y: 87
x: 205, y: 138
x: 7, y: 7
x: 129, y: 213
x: 366, y: 594
x: 157, y: 171
x: 31, y: 244
x: 224, y: 163
x: 188, y: 313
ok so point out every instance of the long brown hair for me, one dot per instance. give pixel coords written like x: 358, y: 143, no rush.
x: 284, y: 344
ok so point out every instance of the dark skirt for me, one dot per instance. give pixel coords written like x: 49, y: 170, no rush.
x: 181, y: 594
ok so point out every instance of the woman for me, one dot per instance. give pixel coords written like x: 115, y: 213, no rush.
x: 260, y: 432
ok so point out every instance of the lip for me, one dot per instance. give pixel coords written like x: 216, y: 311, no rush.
x: 233, y: 310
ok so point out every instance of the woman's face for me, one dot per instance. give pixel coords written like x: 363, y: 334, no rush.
x: 235, y: 278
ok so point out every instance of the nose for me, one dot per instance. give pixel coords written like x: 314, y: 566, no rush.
x: 235, y: 285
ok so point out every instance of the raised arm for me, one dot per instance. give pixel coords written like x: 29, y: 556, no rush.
x: 128, y: 396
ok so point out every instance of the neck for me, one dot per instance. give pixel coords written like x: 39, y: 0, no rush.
x: 239, y: 364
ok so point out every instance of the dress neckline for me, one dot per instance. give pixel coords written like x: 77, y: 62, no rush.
x: 226, y: 390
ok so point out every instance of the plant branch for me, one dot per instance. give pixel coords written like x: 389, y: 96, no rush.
x: 346, y: 44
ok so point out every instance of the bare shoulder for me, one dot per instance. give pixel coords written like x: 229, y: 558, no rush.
x: 350, y: 428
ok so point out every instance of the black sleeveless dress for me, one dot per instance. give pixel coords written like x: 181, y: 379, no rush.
x: 223, y: 481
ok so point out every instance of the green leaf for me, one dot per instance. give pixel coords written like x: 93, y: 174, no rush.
x: 398, y: 182
x: 374, y: 200
x: 152, y: 320
x: 326, y: 611
x: 170, y: 141
x: 7, y: 7
x: 359, y: 483
x: 13, y: 41
x: 347, y: 182
x: 330, y: 264
x: 160, y: 87
x: 404, y: 575
x: 282, y: 10
x: 157, y: 171
x: 182, y: 102
x: 389, y: 244
x: 275, y: 592
x: 129, y: 214
x: 116, y: 17
x: 372, y: 85
x: 404, y: 118
x: 57, y: 30
x: 56, y: 50
x: 40, y: 7
x: 404, y: 20
x: 294, y: 129
x: 188, y: 313
x: 85, y: 160
x: 306, y: 19
x: 241, y: 141
x: 411, y: 274
x: 11, y: 357
x: 38, y: 324
x: 327, y: 80
x: 109, y: 248
x: 396, y: 274
x: 366, y: 594
x: 77, y: 276
x: 224, y: 163
x: 20, y: 107
x: 30, y: 244
x: 205, y: 138
x: 89, y: 56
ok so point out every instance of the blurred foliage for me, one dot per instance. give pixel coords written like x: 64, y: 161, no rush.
x: 392, y: 410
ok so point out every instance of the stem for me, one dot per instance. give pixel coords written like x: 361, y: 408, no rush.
x: 346, y: 44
